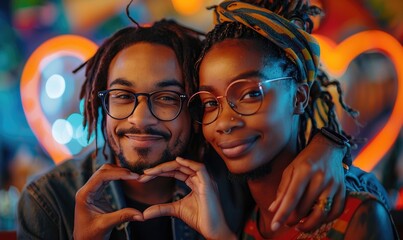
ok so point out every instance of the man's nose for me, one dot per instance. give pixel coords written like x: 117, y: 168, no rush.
x: 142, y: 116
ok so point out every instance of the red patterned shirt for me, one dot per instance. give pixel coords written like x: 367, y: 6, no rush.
x: 334, y: 230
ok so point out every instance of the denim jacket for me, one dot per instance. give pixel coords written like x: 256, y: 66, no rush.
x: 358, y: 180
x: 46, y: 206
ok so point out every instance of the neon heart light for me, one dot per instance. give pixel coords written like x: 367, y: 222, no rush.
x: 336, y: 59
x: 66, y: 45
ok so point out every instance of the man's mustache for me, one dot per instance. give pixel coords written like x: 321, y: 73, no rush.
x: 149, y: 131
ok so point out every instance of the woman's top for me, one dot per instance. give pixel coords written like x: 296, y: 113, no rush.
x: 333, y: 230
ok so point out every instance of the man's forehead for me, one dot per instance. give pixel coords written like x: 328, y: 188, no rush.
x: 145, y: 63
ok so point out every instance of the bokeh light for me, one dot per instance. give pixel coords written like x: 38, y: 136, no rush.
x: 55, y: 86
x: 62, y: 131
x: 187, y: 7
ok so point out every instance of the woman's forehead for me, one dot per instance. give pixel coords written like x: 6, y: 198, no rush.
x: 228, y: 61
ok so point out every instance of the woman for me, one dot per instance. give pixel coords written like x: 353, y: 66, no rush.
x: 258, y: 99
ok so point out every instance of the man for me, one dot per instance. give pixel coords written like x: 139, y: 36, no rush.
x: 141, y: 76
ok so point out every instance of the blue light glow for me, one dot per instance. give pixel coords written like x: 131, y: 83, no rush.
x: 62, y: 131
x: 55, y: 86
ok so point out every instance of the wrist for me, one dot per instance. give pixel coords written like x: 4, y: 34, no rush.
x: 340, y: 141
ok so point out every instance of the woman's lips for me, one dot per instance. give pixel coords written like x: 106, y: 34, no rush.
x: 237, y: 148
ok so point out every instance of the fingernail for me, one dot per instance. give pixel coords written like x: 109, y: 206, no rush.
x: 271, y: 207
x: 138, y: 218
x: 135, y: 175
x: 275, y: 226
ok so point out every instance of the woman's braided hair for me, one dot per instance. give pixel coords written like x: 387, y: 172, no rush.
x: 183, y: 41
x: 321, y: 106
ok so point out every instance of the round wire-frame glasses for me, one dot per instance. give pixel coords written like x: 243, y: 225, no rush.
x: 244, y: 96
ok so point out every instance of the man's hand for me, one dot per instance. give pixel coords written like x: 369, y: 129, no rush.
x: 93, y: 218
x: 316, y: 175
x: 201, y: 208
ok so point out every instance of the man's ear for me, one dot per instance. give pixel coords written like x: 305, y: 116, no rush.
x: 301, y: 98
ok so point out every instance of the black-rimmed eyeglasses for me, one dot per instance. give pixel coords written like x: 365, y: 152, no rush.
x: 120, y: 104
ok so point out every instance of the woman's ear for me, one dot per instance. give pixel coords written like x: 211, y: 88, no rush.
x: 301, y: 98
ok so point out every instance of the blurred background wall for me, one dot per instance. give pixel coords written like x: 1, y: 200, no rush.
x: 370, y: 80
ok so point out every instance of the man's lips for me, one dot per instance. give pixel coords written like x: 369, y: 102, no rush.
x: 143, y: 140
x: 237, y: 148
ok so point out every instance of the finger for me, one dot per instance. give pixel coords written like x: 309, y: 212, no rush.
x: 145, y: 178
x: 281, y: 190
x: 198, y: 168
x: 102, y: 177
x: 334, y: 191
x: 121, y: 216
x: 290, y: 200
x: 160, y: 210
x: 167, y: 167
x: 319, y: 212
x: 175, y: 174
x: 308, y: 199
x: 195, y: 166
x: 338, y: 204
x: 107, y: 173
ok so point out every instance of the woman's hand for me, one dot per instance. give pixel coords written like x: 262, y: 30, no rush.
x: 316, y: 175
x: 93, y: 218
x: 200, y: 209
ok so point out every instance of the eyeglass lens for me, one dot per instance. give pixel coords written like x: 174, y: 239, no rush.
x: 243, y: 96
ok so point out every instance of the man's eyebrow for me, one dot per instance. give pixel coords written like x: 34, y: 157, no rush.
x: 121, y: 81
x: 170, y: 83
x: 162, y: 84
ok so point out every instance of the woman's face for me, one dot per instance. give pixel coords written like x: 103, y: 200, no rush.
x: 257, y: 139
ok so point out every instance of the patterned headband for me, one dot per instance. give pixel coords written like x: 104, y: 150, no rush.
x: 299, y: 45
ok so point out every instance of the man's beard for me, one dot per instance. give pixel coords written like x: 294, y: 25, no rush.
x: 254, y: 174
x: 142, y: 162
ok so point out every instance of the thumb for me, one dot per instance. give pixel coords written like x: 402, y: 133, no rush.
x: 160, y: 210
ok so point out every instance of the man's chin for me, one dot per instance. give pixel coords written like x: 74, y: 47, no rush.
x: 138, y: 168
x: 141, y: 161
x: 138, y: 165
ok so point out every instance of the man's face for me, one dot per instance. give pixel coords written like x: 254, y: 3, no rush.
x: 254, y: 140
x: 141, y: 140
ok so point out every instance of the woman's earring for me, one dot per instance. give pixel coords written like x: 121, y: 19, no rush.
x: 299, y: 108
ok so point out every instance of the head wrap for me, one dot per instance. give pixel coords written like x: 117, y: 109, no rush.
x: 299, y: 45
